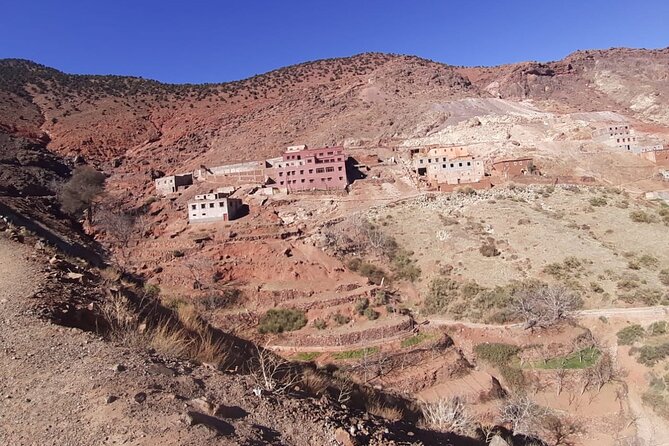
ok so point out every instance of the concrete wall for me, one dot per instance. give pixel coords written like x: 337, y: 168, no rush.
x: 512, y: 168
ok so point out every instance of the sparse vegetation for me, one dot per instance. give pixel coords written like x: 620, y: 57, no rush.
x: 355, y: 354
x: 281, y: 320
x: 497, y: 354
x: 340, y: 319
x: 581, y: 359
x: 630, y: 334
x: 598, y: 201
x: 415, y: 340
x: 642, y: 217
x: 307, y: 356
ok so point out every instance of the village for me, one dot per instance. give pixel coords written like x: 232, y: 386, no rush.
x: 331, y: 170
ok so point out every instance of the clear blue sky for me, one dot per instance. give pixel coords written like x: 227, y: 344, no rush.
x: 214, y: 41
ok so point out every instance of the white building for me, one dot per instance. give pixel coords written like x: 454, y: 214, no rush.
x: 217, y: 206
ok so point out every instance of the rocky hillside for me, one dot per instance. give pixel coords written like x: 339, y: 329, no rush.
x: 362, y: 99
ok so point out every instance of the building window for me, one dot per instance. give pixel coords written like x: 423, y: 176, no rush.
x: 311, y: 180
x: 311, y: 170
x: 211, y: 205
x: 280, y: 174
x: 281, y: 182
x: 339, y: 168
x: 329, y: 169
x: 452, y: 165
x: 309, y: 160
x: 202, y: 206
x: 469, y: 163
x: 421, y: 161
x: 302, y: 180
x: 341, y: 178
x: 301, y: 172
x: 193, y: 206
x: 320, y: 170
x: 222, y: 204
x: 429, y: 160
x: 459, y: 164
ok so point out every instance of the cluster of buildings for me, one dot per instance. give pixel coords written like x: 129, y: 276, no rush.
x: 298, y: 169
x: 621, y: 137
x: 445, y: 168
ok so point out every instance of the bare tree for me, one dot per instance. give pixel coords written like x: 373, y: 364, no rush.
x: 271, y: 372
x: 560, y: 431
x: 603, y: 372
x: 448, y: 414
x: 545, y: 306
x: 523, y: 414
x: 559, y: 376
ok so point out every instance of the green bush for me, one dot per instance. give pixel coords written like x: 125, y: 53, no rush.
x: 278, y: 320
x: 496, y: 353
x: 361, y: 305
x: 405, y: 266
x: 598, y: 201
x: 442, y: 292
x: 630, y: 334
x: 664, y: 277
x: 658, y: 328
x: 340, y: 319
x: 513, y: 376
x: 650, y: 355
x: 642, y: 217
x: 371, y: 314
x: 320, y: 324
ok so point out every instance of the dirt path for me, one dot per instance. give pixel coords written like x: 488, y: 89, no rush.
x: 55, y: 381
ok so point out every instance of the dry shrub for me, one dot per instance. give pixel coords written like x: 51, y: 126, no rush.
x: 210, y: 350
x: 315, y: 382
x: 448, y: 415
x: 170, y: 340
x: 123, y: 323
x: 385, y: 411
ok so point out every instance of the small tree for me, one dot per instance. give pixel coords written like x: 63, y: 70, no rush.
x: 78, y: 194
x: 522, y: 414
x: 545, y: 306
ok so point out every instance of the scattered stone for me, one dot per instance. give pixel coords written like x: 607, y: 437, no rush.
x: 110, y: 399
x: 140, y: 397
x: 119, y: 368
x: 344, y: 438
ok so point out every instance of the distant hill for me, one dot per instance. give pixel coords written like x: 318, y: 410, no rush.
x: 370, y: 97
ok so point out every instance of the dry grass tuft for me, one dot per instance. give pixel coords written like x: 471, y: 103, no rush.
x: 170, y: 340
x: 315, y: 382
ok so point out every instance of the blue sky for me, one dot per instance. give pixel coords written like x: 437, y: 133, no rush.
x: 214, y: 41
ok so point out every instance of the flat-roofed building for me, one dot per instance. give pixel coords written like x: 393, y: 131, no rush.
x: 303, y: 169
x: 216, y: 206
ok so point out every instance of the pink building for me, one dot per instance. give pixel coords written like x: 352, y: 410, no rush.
x: 312, y: 169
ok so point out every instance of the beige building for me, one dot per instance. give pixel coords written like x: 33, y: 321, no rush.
x: 449, y: 165
x: 171, y: 184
